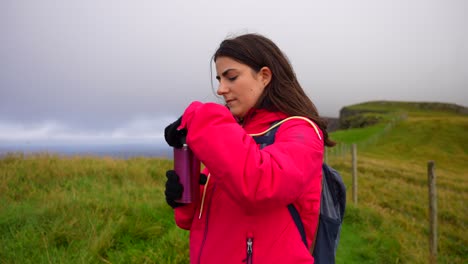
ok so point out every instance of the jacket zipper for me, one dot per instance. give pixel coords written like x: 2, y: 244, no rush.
x: 249, y: 249
x: 206, y: 225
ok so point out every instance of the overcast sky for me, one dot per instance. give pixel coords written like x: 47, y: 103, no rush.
x: 100, y: 69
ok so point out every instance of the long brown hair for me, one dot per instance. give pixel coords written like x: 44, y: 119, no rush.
x: 283, y: 93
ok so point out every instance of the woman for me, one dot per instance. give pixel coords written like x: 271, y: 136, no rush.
x: 242, y: 215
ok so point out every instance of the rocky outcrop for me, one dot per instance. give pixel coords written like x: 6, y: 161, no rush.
x: 333, y: 124
x: 355, y: 118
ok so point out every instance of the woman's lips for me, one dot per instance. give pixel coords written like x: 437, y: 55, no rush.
x: 228, y: 102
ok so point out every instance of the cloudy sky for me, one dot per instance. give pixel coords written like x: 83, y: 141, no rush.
x: 122, y: 70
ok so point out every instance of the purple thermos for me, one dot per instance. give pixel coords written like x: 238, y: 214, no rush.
x: 187, y: 167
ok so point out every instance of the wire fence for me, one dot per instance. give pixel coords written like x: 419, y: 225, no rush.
x: 344, y: 149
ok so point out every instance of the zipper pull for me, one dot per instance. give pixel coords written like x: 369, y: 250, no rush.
x: 248, y: 260
x: 249, y: 246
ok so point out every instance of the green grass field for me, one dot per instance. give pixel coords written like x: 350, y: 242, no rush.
x: 393, y: 186
x: 57, y: 209
x: 86, y: 210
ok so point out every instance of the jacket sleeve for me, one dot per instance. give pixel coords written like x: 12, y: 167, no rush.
x: 184, y: 216
x: 274, y: 176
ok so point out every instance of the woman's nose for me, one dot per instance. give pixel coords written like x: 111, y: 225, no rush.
x: 222, y: 89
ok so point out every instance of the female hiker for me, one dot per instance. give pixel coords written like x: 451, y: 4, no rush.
x: 242, y: 214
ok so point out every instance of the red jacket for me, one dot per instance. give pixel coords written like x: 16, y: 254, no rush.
x: 242, y: 213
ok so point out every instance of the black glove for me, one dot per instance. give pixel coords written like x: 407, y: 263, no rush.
x: 174, y: 189
x: 175, y: 138
x: 203, y: 179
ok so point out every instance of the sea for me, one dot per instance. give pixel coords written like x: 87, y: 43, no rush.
x: 117, y: 150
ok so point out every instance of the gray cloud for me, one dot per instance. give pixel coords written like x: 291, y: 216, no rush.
x: 96, y: 66
x: 139, y: 130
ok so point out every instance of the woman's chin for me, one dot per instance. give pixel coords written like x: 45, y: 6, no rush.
x: 236, y: 112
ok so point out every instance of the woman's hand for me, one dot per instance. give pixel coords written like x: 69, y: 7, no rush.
x: 174, y: 189
x: 175, y: 137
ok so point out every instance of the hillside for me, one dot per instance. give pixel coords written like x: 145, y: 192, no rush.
x: 370, y: 113
x: 392, y: 164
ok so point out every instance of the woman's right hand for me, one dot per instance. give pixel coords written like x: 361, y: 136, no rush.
x: 174, y: 136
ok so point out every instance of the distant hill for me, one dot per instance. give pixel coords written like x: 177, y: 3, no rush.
x: 372, y: 112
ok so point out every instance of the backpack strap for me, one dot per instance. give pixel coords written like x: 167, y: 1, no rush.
x: 277, y: 124
x: 267, y: 138
x: 324, y: 167
x: 298, y: 221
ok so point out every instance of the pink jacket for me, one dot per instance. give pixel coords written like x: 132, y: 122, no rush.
x: 242, y: 215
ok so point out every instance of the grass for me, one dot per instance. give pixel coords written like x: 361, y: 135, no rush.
x: 86, y: 210
x: 361, y: 238
x: 357, y: 134
x: 393, y: 186
x: 57, y: 209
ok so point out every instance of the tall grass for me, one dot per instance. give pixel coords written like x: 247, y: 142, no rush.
x: 86, y: 210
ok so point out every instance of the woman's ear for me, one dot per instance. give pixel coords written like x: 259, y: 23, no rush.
x: 265, y: 75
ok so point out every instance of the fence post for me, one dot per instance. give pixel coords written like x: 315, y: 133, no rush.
x: 432, y: 212
x: 354, y: 161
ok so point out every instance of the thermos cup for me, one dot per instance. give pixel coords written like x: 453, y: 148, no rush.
x: 187, y: 167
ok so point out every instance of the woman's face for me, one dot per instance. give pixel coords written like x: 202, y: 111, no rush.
x: 240, y: 85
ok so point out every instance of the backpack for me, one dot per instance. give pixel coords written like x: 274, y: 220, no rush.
x: 332, y: 204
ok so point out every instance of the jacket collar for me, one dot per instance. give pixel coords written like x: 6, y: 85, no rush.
x: 256, y: 120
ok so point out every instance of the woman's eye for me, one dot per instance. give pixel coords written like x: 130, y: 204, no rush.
x: 232, y: 78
